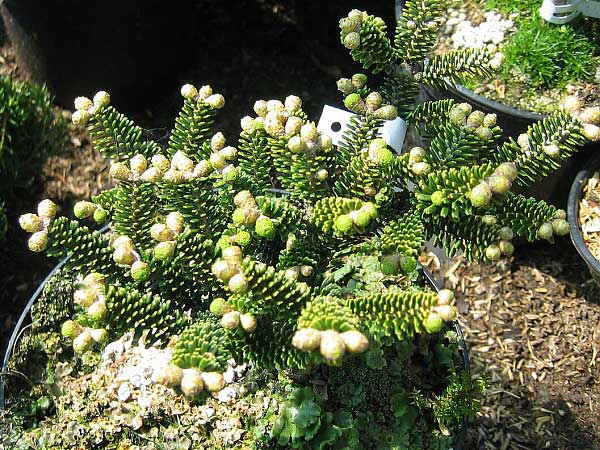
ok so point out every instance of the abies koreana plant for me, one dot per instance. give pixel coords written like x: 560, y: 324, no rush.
x: 300, y: 257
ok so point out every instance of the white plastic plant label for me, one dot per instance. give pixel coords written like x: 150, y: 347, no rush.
x: 566, y: 12
x: 335, y: 121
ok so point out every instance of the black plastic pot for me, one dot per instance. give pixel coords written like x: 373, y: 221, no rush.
x: 513, y: 121
x: 575, y: 196
x: 23, y: 323
x: 134, y: 50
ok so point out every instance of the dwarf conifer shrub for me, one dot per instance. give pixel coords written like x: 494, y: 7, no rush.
x: 29, y: 132
x: 300, y: 257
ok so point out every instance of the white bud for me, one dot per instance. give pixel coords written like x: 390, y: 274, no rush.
x: 191, y: 382
x: 161, y: 162
x: 248, y: 322
x: 216, y: 101
x: 228, y: 152
x: 293, y: 125
x: 124, y: 256
x: 123, y: 241
x: 80, y: 117
x: 247, y: 124
x: 189, y: 91
x: 308, y: 132
x: 260, y: 108
x: 445, y: 297
x: 217, y: 161
x: 101, y: 99
x: 83, y: 103
x: 161, y: 233
x: 38, y: 241
x: 181, y: 162
x: 138, y: 163
x: 217, y: 142
x: 355, y: 341
x: 174, y: 176
x: 202, y: 169
x: 151, y: 175
x: 293, y: 103
x: 571, y: 104
x: 30, y: 222
x: 175, y: 221
x: 205, y: 92
x: 213, y: 381
x: 275, y: 105
x: 47, y: 209
x: 591, y: 132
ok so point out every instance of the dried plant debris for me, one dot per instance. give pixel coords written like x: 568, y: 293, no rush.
x: 589, y: 215
x: 533, y: 327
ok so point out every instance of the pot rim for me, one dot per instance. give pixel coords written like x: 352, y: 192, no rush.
x: 575, y: 195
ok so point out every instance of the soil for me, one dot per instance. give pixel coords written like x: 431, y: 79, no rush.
x: 532, y: 324
x: 516, y: 91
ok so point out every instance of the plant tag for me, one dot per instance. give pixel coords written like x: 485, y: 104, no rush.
x: 565, y: 13
x: 335, y: 121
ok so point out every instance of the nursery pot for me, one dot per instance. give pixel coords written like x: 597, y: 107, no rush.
x: 575, y: 196
x: 24, y: 319
x: 133, y: 50
x: 513, y: 121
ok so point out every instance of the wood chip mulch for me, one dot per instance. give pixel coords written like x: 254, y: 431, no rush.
x: 533, y: 328
x: 589, y: 215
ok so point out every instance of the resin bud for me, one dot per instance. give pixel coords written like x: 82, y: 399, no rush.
x: 293, y: 126
x: 230, y: 320
x: 359, y: 80
x: 191, y: 382
x: 293, y: 103
x: 352, y: 41
x: 343, y: 224
x: 120, y: 171
x: 438, y: 198
x: 97, y: 311
x: 489, y: 219
x: 47, y: 209
x: 545, y: 231
x: 217, y: 161
x: 374, y: 101
x: 205, y: 92
x: 38, y: 242
x: 233, y: 254
x: 307, y: 339
x: 84, y: 297
x: 164, y: 250
x: 420, y: 168
x: 387, y: 112
x: 408, y: 264
x: 433, y: 323
x: 416, y: 154
x: 591, y: 132
x: 591, y: 115
x: 332, y: 346
x: 101, y: 99
x: 213, y: 381
x: 175, y: 221
x: 140, y: 271
x: 124, y: 242
x: 371, y: 209
x: 260, y: 108
x: 244, y: 199
x: 480, y: 195
x: 219, y: 306
x: 560, y: 227
x: 506, y: 233
x: 552, y: 150
x: 265, y: 227
x: 173, y: 375
x: 71, y: 329
x: 355, y: 103
x: 457, y: 116
x: 230, y: 173
x: 490, y: 120
x: 80, y: 117
x: 475, y: 119
x: 161, y: 163
x: 82, y: 103
x: 83, y: 209
x: 506, y: 248
x: 345, y: 86
x: 30, y: 223
x: 447, y: 313
x: 161, y: 232
x: 355, y: 341
x: 216, y: 101
x: 499, y: 184
x: 560, y: 214
x: 83, y: 342
x: 238, y: 283
x: 508, y: 170
x: 492, y: 252
x: 445, y: 297
x: 100, y: 215
x: 189, y: 91
x: 295, y: 144
x: 322, y: 175
x: 484, y: 133
x: 248, y: 322
x: 99, y: 335
x: 223, y: 270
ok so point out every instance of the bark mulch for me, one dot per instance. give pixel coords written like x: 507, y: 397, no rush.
x: 533, y: 328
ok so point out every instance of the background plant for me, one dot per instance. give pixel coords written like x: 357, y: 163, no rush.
x: 30, y: 131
